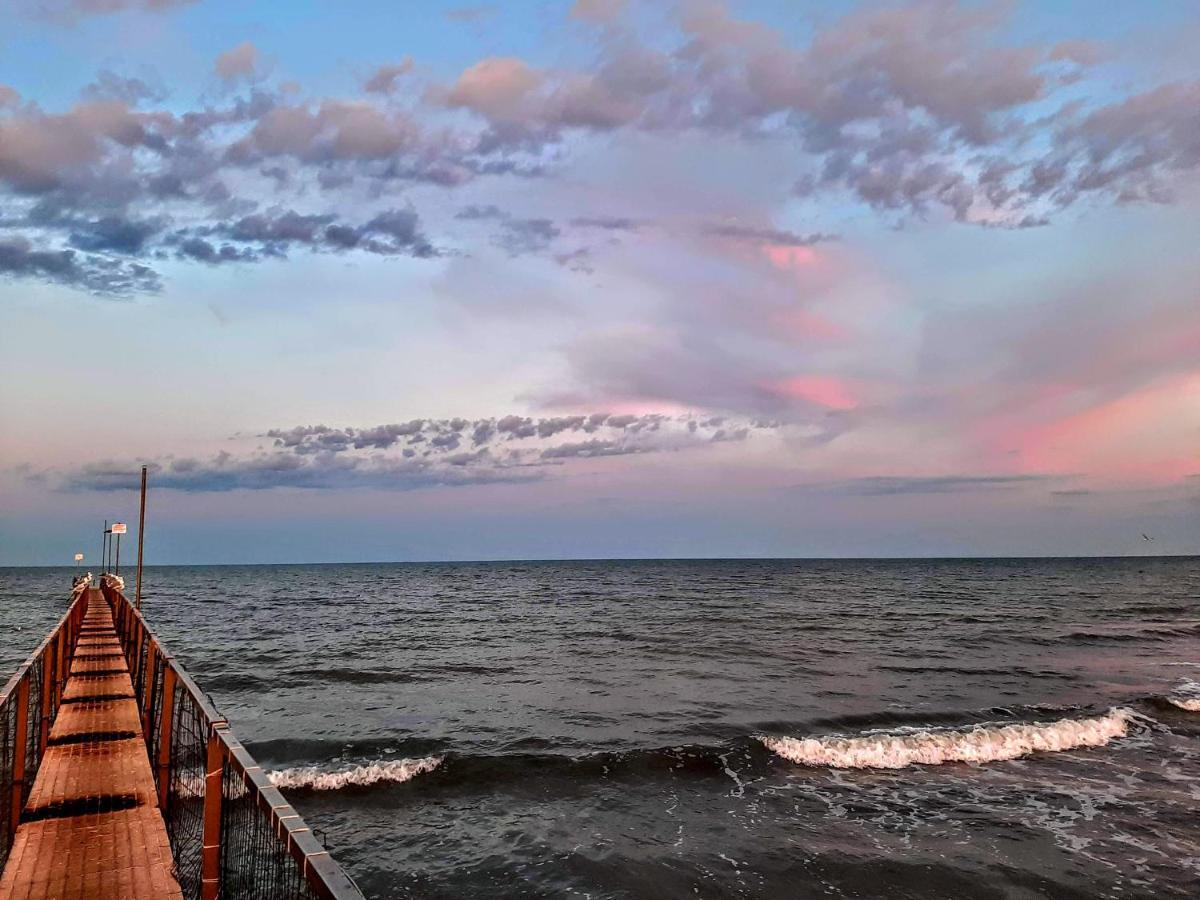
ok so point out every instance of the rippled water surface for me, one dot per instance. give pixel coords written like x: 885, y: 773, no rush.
x: 597, y: 729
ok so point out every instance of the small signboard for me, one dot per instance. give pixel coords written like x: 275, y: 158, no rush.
x: 118, y: 528
x: 78, y: 557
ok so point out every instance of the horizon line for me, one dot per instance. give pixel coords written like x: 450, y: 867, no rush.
x: 582, y: 559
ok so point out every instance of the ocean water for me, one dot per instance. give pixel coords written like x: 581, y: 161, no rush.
x: 965, y: 728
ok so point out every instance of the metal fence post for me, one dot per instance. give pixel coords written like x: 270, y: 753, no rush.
x: 210, y: 861
x: 148, y: 690
x: 164, y: 737
x: 60, y: 676
x: 135, y: 654
x: 47, y: 695
x: 18, y: 779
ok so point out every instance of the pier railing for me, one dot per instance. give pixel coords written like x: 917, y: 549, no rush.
x: 28, y: 706
x: 232, y: 833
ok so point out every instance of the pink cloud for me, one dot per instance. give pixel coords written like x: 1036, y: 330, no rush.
x: 1145, y: 436
x: 821, y: 390
x: 495, y: 87
x: 788, y: 257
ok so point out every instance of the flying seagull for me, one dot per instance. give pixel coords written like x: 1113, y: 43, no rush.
x: 1146, y: 537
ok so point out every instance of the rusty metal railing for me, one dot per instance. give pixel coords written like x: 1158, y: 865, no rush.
x: 28, y: 706
x: 232, y: 833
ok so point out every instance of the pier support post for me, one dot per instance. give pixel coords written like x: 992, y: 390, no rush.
x: 135, y: 654
x: 21, y: 741
x: 166, y: 723
x: 60, y: 670
x: 48, y: 675
x: 210, y: 861
x: 148, y: 690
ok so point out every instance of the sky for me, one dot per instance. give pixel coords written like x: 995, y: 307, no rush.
x: 368, y: 281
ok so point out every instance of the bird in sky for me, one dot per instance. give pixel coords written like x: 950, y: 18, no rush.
x: 1146, y: 537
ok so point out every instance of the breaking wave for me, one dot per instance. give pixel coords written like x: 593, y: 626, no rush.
x: 1186, y: 696
x: 313, y: 778
x: 931, y: 747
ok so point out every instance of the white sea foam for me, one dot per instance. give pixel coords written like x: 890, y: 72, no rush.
x: 1186, y: 696
x: 931, y: 747
x: 314, y: 778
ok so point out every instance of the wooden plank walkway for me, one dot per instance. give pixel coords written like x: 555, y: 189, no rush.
x: 91, y: 828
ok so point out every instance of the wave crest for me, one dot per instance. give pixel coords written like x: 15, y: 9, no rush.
x: 313, y: 778
x: 1186, y: 696
x: 979, y: 743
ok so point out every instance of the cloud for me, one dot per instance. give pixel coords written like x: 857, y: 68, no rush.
x: 393, y: 232
x: 200, y: 250
x: 41, y: 152
x: 892, y: 485
x: 98, y: 274
x: 588, y: 449
x: 910, y: 108
x: 1130, y: 150
x: 71, y: 10
x: 607, y: 223
x: 240, y: 63
x: 334, y: 131
x: 928, y: 108
x: 598, y: 11
x: 114, y: 234
x: 267, y: 471
x: 383, y: 80
x: 775, y: 236
x: 517, y: 236
x: 497, y: 88
x: 132, y: 91
x: 420, y: 453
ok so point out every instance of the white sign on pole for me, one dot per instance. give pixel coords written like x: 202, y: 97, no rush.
x: 118, y: 528
x: 78, y: 557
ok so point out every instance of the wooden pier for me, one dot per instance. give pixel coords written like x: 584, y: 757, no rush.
x: 120, y: 780
x: 91, y: 827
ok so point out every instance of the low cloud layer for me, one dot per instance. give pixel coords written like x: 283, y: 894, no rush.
x: 426, y: 452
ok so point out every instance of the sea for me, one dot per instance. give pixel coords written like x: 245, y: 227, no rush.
x: 730, y: 728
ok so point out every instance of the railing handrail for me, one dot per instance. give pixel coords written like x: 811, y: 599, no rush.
x: 30, y: 661
x: 322, y: 874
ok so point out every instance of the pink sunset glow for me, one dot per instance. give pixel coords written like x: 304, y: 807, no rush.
x: 1148, y: 436
x: 787, y: 257
x: 821, y: 390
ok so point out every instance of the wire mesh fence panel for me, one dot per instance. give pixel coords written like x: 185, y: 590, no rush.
x: 184, y: 811
x: 255, y: 864
x: 155, y: 717
x: 23, y: 704
x: 8, y: 740
x: 140, y: 674
x: 33, y: 716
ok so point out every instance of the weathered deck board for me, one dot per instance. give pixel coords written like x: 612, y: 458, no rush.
x: 91, y: 828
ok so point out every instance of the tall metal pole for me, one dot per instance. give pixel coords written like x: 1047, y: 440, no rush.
x: 141, y: 534
x: 117, y: 570
x: 103, y: 546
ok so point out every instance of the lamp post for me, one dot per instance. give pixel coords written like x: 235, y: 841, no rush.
x: 141, y: 534
x: 118, y: 528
